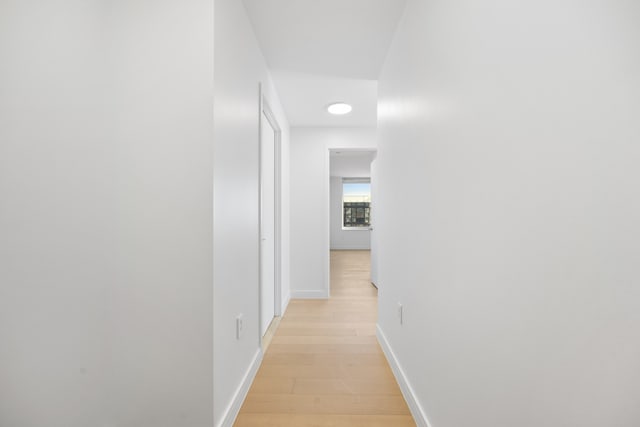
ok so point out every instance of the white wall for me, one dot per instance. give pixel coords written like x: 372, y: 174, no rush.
x: 105, y: 213
x: 342, y: 239
x: 239, y: 67
x: 351, y: 164
x: 513, y: 128
x: 309, y: 181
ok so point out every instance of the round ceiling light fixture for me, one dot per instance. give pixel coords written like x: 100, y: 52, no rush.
x: 339, y: 108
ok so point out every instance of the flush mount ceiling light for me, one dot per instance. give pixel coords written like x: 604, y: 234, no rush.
x: 339, y: 108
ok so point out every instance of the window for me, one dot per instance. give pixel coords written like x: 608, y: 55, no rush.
x: 356, y: 202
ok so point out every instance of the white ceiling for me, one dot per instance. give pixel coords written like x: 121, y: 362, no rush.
x: 351, y: 164
x: 305, y: 98
x: 323, y: 51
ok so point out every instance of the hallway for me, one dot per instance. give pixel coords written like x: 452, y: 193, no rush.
x: 173, y: 175
x: 324, y: 365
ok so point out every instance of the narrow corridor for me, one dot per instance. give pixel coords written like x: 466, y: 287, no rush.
x: 324, y: 366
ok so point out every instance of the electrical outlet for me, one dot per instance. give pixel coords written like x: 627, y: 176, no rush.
x: 400, y: 313
x: 239, y: 326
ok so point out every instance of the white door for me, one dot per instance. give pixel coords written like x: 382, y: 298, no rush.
x: 267, y: 224
x: 374, y: 243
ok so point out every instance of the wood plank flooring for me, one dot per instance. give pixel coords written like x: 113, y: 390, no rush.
x: 324, y: 366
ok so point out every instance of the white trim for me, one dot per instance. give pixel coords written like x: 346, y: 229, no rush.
x: 277, y: 229
x: 241, y: 393
x: 351, y: 248
x: 350, y: 180
x: 285, y: 304
x: 260, y: 188
x: 327, y: 225
x: 315, y: 294
x: 416, y: 409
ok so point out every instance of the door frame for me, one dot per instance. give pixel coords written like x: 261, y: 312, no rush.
x: 374, y: 249
x: 266, y: 111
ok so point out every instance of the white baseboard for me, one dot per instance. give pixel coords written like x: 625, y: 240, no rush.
x: 407, y: 391
x: 351, y: 248
x: 241, y: 393
x: 315, y: 294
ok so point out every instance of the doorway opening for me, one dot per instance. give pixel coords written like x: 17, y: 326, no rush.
x: 352, y: 212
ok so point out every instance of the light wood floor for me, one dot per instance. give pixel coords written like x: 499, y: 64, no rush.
x: 324, y: 366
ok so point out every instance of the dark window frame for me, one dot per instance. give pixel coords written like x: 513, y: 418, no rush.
x: 355, y: 215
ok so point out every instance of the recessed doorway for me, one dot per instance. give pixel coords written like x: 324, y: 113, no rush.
x: 270, y: 259
x: 351, y: 212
